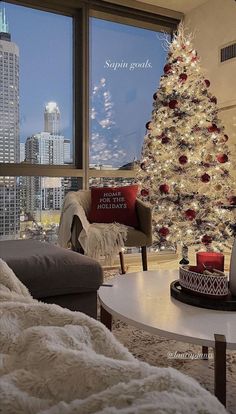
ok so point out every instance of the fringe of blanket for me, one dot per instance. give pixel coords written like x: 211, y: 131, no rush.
x: 104, y: 239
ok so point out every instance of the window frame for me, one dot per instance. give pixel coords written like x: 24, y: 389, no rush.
x: 143, y: 16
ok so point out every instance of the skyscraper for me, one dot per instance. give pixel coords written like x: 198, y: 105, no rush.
x: 9, y: 130
x: 47, y: 147
x: 52, y: 118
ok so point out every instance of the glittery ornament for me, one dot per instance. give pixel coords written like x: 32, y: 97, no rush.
x: 164, y: 188
x: 144, y: 192
x: 206, y: 239
x: 183, y: 159
x: 190, y: 214
x: 183, y: 77
x: 167, y: 68
x: 207, y: 83
x: 205, y: 178
x: 222, y: 158
x: 173, y: 104
x: 218, y: 187
x: 163, y: 231
x: 213, y: 128
x: 148, y: 125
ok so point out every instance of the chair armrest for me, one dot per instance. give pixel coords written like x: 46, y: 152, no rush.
x: 144, y: 213
x: 76, y: 228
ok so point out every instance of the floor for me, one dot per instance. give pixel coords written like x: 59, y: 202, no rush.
x: 158, y: 261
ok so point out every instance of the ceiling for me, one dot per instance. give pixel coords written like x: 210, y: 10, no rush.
x: 183, y: 6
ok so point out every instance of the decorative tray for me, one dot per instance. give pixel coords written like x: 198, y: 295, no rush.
x: 227, y: 303
x: 211, y: 285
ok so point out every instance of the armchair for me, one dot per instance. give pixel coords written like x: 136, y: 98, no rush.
x: 136, y: 237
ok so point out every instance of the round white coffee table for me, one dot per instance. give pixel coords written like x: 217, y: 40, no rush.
x: 142, y: 299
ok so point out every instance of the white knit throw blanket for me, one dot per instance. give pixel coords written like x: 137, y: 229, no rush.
x: 96, y: 239
x: 54, y: 361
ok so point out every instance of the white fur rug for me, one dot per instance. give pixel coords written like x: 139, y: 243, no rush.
x: 54, y: 361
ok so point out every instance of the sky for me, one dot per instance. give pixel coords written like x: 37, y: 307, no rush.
x: 131, y: 60
x: 45, y: 44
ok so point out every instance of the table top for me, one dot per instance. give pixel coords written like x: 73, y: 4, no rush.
x: 143, y: 299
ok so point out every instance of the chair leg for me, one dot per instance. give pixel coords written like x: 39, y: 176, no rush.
x: 144, y: 257
x: 122, y: 263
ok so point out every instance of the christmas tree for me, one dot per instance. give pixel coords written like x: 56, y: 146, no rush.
x: 104, y: 144
x: 184, y: 168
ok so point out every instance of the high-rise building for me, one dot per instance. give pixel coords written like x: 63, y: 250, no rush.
x: 45, y: 148
x: 9, y: 130
x: 52, y: 118
x: 49, y: 148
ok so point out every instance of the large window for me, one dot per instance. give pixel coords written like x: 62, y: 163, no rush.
x: 76, y: 86
x: 126, y: 64
x: 36, y: 86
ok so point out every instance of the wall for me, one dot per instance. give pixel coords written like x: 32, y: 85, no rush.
x: 214, y: 25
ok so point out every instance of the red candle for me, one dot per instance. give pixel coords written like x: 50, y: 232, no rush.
x: 210, y: 260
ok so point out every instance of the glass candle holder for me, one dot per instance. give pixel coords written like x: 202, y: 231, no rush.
x: 210, y: 260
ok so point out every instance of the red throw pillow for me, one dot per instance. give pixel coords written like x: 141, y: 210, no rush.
x: 114, y: 204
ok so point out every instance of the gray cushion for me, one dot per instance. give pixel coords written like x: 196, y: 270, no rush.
x: 48, y: 270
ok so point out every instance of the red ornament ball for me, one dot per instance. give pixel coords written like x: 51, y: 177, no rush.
x: 183, y: 159
x: 206, y: 239
x: 190, y: 214
x: 164, y: 188
x: 148, y: 125
x: 173, y: 104
x: 213, y: 100
x: 222, y: 158
x: 143, y: 166
x: 164, y: 231
x: 207, y: 83
x: 167, y: 68
x: 226, y: 138
x: 144, y: 192
x: 213, y: 128
x: 205, y: 178
x: 183, y: 77
x: 232, y: 200
x: 165, y: 140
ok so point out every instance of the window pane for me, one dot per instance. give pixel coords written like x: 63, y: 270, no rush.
x: 30, y: 206
x: 126, y: 64
x: 36, y: 86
